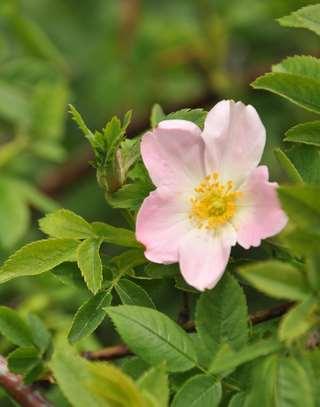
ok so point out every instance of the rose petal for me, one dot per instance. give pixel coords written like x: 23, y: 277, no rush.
x: 235, y: 139
x: 161, y: 222
x: 203, y: 258
x: 259, y: 214
x: 174, y: 154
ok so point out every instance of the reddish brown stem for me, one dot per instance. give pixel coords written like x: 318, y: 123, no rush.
x: 110, y: 353
x: 13, y: 384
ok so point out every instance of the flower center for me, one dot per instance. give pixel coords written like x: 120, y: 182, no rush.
x: 213, y: 204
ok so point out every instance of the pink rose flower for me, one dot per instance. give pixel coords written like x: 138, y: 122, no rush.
x: 211, y: 193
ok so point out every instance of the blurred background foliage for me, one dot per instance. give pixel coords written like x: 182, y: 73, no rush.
x: 106, y: 57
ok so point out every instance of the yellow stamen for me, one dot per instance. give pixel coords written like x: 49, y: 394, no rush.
x: 213, y: 204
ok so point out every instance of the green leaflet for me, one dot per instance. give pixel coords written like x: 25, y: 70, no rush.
x: 22, y: 360
x: 92, y: 384
x: 288, y: 166
x: 277, y: 279
x: 302, y: 65
x: 306, y: 17
x: 298, y: 320
x: 118, y: 236
x: 301, y: 203
x: 14, y: 328
x: 154, y: 337
x: 227, y: 359
x: 38, y: 257
x: 65, y: 224
x: 154, y: 383
x: 199, y: 391
x: 300, y: 90
x: 89, y: 316
x: 132, y: 294
x: 305, y: 133
x: 280, y: 381
x: 221, y: 316
x: 89, y: 263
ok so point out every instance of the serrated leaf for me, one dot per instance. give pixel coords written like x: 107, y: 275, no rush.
x: 222, y: 317
x: 298, y: 320
x: 301, y: 65
x: 14, y: 328
x: 277, y: 279
x: 154, y: 337
x: 76, y: 116
x: 155, y: 383
x: 300, y: 90
x: 227, y: 359
x: 306, y: 17
x: 301, y: 203
x: 89, y: 263
x: 89, y: 316
x: 92, y: 384
x: 199, y: 391
x: 114, y: 235
x: 306, y: 133
x: 38, y: 257
x: 132, y: 294
x: 65, y: 224
x: 288, y: 166
x: 22, y: 360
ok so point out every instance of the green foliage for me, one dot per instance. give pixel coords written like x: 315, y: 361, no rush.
x: 90, y: 264
x: 154, y: 337
x: 199, y: 391
x: 38, y: 257
x: 280, y: 380
x: 300, y: 90
x: 301, y: 203
x: 132, y: 294
x: 227, y: 303
x: 23, y: 360
x: 14, y: 328
x: 89, y: 316
x: 117, y: 236
x: 305, y: 133
x: 64, y: 224
x: 227, y: 359
x: 155, y: 386
x: 213, y: 355
x: 277, y: 279
x: 92, y: 384
x: 307, y: 17
x: 288, y: 166
x: 299, y: 320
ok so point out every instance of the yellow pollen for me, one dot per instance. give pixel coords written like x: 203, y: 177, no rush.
x: 213, y: 204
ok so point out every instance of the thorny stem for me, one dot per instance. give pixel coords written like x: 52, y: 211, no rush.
x: 24, y: 395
